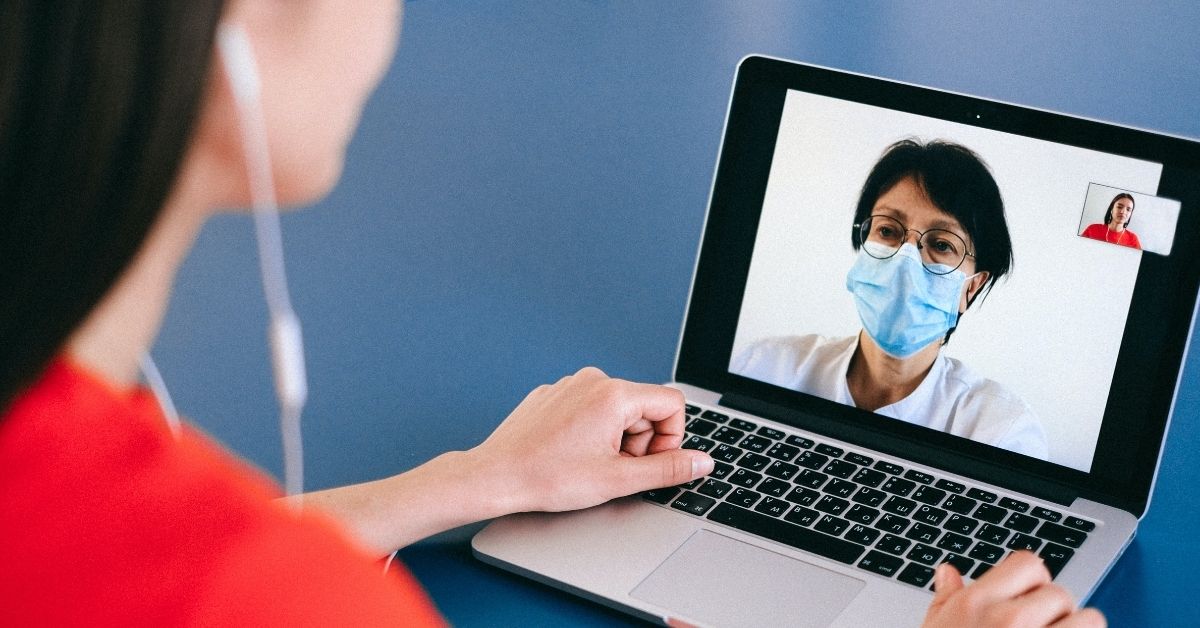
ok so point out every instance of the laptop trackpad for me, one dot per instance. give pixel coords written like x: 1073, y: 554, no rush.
x: 716, y: 580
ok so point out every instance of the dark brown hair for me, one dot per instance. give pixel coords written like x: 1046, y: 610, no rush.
x: 98, y: 101
x: 1113, y: 203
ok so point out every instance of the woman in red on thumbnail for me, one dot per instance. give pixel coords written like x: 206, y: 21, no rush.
x: 1115, y: 229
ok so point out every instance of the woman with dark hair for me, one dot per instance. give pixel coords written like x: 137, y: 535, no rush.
x: 119, y: 137
x: 1115, y: 229
x: 931, y: 238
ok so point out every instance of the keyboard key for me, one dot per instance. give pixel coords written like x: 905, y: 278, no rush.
x: 800, y: 515
x: 892, y: 523
x: 881, y: 563
x: 888, y: 467
x: 961, y: 524
x: 916, y: 575
x: 1061, y: 534
x: 743, y: 497
x: 810, y: 478
x: 714, y: 416
x: 841, y: 488
x: 811, y: 459
x: 803, y: 496
x: 690, y: 409
x: 756, y: 443
x: 1021, y: 523
x: 980, y: 570
x: 773, y: 507
x: 959, y: 504
x: 832, y: 505
x: 661, y: 495
x: 898, y: 486
x: 956, y: 543
x: 900, y: 506
x: 929, y: 495
x: 1080, y: 524
x: 701, y: 427
x: 742, y: 424
x: 918, y: 476
x: 728, y: 435
x: 744, y: 478
x: 783, y: 452
x: 782, y: 470
x: 1012, y: 504
x: 840, y: 468
x: 893, y: 544
x: 725, y: 453
x: 1024, y: 542
x: 691, y: 484
x: 774, y: 487
x: 754, y: 462
x: 859, y: 459
x: 721, y: 470
x: 870, y: 477
x: 799, y: 441
x: 861, y: 534
x: 993, y: 534
x: 830, y: 524
x: 923, y: 533
x: 698, y: 443
x: 990, y: 513
x: 786, y: 533
x: 1047, y: 514
x: 714, y: 488
x: 950, y: 485
x: 1055, y: 557
x: 861, y: 514
x: 771, y: 433
x: 870, y: 497
x: 693, y: 503
x: 829, y: 450
x: 929, y: 514
x: 924, y: 554
x: 981, y: 495
x: 986, y: 552
x: 960, y: 562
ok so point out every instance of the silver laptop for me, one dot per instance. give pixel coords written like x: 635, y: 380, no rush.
x: 866, y: 426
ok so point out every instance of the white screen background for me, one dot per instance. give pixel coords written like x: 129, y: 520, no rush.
x: 1049, y: 331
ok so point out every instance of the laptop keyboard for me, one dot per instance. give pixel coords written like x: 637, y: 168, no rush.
x: 893, y: 521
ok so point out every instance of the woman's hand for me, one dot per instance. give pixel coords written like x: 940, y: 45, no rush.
x: 590, y: 438
x: 1017, y: 592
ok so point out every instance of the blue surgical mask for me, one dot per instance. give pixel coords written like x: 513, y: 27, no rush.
x: 902, y: 306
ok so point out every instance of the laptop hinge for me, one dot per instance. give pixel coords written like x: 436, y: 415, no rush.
x: 910, y: 449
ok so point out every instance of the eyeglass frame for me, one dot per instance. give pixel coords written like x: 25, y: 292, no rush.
x: 858, y: 226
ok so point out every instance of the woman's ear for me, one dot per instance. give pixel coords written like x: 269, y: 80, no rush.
x: 973, y: 286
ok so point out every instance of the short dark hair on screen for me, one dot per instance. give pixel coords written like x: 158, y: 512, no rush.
x: 959, y: 183
x: 98, y: 101
x: 1112, y: 203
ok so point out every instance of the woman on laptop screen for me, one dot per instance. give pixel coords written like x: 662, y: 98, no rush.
x: 931, y: 237
x: 1115, y: 229
x: 121, y: 124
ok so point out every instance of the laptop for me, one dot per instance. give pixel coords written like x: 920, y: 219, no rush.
x: 866, y: 426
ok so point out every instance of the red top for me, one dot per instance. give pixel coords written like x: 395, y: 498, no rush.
x: 1124, y: 238
x: 106, y: 519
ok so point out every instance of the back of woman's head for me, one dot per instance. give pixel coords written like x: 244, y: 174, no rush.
x: 98, y: 99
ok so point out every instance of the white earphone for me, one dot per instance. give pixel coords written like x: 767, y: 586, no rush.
x: 286, y: 342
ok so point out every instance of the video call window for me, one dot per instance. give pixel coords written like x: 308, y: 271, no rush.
x: 935, y: 273
x: 1108, y: 216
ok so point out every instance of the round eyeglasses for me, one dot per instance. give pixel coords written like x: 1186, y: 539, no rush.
x: 942, y: 251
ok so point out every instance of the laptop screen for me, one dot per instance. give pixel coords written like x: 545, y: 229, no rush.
x: 879, y: 226
x: 968, y: 283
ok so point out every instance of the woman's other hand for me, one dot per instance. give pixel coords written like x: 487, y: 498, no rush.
x: 590, y: 438
x: 1016, y: 592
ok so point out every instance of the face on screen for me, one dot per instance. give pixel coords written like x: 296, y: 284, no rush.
x: 964, y: 290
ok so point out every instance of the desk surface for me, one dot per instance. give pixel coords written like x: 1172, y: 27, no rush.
x: 525, y: 196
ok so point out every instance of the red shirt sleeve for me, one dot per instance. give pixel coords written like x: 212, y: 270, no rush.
x: 105, y: 519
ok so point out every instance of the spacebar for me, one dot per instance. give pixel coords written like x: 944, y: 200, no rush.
x: 786, y: 533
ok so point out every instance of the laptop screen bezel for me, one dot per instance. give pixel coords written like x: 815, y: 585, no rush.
x: 1137, y: 413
